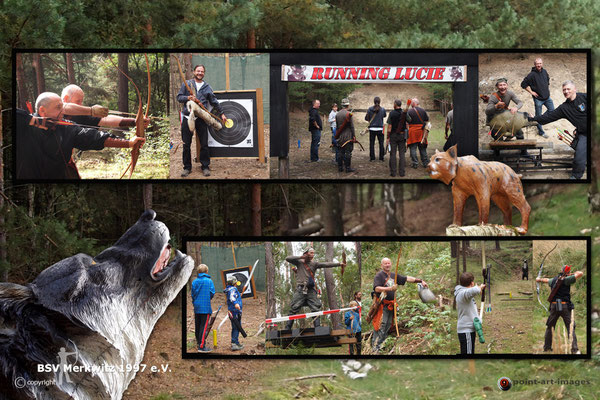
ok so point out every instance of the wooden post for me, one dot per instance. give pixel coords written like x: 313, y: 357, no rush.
x: 226, y: 71
x: 260, y: 126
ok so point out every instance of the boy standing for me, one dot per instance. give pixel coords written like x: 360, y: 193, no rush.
x: 234, y: 306
x: 467, y: 311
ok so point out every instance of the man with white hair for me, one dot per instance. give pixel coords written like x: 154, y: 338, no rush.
x: 384, y: 288
x: 537, y: 84
x: 306, y: 293
x: 45, y: 141
x: 574, y: 110
x: 96, y: 115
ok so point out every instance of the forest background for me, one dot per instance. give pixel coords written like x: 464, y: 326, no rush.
x: 72, y: 214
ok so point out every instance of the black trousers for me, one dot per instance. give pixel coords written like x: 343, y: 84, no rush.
x: 467, y: 342
x: 372, y: 136
x: 551, y: 323
x: 187, y: 136
x: 201, y: 326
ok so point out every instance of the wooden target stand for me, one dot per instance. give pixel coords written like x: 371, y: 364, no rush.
x: 258, y: 121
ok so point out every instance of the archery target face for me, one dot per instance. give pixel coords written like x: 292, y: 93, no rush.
x: 239, y: 111
x: 242, y: 277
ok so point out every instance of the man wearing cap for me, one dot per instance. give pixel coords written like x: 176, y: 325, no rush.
x: 561, y: 306
x: 499, y: 102
x: 306, y: 293
x: 345, y: 137
x: 234, y: 307
x: 537, y: 84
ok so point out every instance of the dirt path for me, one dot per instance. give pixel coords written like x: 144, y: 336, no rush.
x: 508, y: 327
x: 326, y: 168
x: 253, y: 316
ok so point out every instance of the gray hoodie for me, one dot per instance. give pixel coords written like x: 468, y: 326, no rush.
x: 466, y: 307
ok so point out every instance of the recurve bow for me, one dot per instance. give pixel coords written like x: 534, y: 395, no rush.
x: 539, y: 275
x: 396, y: 304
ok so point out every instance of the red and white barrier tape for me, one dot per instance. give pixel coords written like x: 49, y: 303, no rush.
x: 308, y: 315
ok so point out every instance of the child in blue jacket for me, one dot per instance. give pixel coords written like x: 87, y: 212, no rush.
x: 352, y: 321
x: 234, y: 306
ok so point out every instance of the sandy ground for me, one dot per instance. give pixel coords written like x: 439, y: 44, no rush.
x: 220, y: 168
x: 190, y: 379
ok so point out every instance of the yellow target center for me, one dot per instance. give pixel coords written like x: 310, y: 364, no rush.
x: 229, y: 123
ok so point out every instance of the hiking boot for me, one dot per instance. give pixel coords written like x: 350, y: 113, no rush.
x: 206, y: 172
x: 204, y: 350
x: 236, y: 346
x: 348, y: 170
x: 185, y: 173
x: 544, y: 135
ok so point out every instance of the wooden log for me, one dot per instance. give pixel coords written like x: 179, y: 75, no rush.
x: 481, y: 230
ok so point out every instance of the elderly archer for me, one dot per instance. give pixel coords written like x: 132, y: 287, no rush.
x: 45, y: 141
x: 306, y: 288
x: 96, y: 115
x: 384, y: 290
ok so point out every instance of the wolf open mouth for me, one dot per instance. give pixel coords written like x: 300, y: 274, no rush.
x: 162, y: 267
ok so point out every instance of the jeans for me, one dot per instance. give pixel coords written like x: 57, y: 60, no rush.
x: 335, y: 146
x: 422, y: 152
x: 538, y: 110
x: 314, y: 145
x: 235, y: 333
x: 580, y: 159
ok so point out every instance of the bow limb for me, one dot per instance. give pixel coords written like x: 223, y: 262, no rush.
x: 139, y: 122
x: 539, y: 275
x: 396, y: 304
x: 140, y: 129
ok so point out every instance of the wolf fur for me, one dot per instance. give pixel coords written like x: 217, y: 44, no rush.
x: 101, y: 309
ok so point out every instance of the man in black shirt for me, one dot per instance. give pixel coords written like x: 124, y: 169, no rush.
x: 537, y: 84
x: 45, y: 142
x: 385, y: 284
x: 561, y: 306
x: 396, y: 138
x: 315, y: 126
x: 574, y: 109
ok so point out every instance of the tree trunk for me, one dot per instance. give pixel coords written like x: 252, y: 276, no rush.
x: 22, y: 87
x: 3, y: 252
x: 287, y: 271
x: 270, y: 272
x: 256, y: 210
x: 38, y: 66
x: 371, y: 195
x: 358, y: 247
x: 464, y: 255
x: 498, y: 245
x: 332, y: 211
x: 70, y: 69
x: 336, y: 321
x: 147, y: 194
x: 392, y: 225
x: 123, y: 84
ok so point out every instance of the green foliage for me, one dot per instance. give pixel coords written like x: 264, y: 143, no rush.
x: 564, y: 213
x: 301, y: 94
